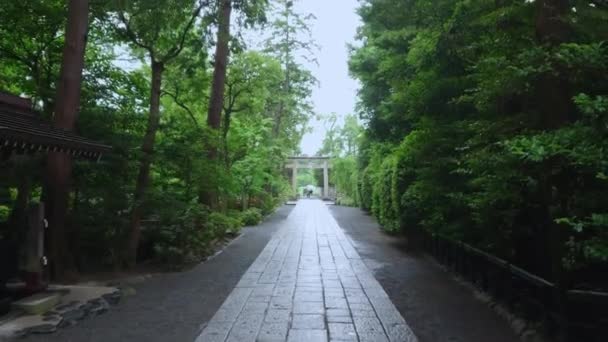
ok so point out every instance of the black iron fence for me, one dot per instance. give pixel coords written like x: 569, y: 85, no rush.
x: 563, y: 314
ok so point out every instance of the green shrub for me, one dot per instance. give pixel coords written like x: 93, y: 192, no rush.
x: 4, y: 213
x: 269, y: 205
x: 221, y: 224
x: 183, y: 238
x: 344, y: 176
x: 365, y: 189
x: 345, y: 201
x: 382, y: 200
x: 251, y: 216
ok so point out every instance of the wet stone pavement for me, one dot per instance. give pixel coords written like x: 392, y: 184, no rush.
x: 308, y: 284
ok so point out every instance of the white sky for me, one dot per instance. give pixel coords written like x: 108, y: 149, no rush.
x: 334, y: 28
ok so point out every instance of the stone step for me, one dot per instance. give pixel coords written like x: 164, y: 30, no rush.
x: 38, y: 304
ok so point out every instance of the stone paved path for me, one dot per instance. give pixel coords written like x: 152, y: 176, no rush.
x: 308, y: 284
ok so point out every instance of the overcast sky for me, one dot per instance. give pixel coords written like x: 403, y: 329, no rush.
x: 334, y: 28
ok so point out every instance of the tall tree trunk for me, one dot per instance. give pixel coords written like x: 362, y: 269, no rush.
x: 66, y: 114
x: 553, y: 90
x: 276, y: 130
x: 554, y: 105
x: 216, y: 102
x: 226, y: 129
x: 147, y: 149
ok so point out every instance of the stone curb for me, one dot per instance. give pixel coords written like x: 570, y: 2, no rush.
x: 69, y: 314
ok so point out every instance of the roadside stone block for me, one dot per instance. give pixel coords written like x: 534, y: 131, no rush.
x: 308, y: 308
x: 338, y: 316
x: 246, y: 328
x: 334, y: 293
x: 237, y: 298
x: 315, y: 287
x: 357, y: 298
x: 329, y: 276
x: 270, y: 279
x: 247, y: 282
x: 308, y: 296
x: 376, y: 293
x: 390, y: 316
x: 284, y: 291
x: 248, y: 321
x: 339, y: 319
x: 400, y: 333
x: 337, y: 312
x: 368, y: 325
x: 256, y: 308
x: 362, y: 310
x: 342, y: 332
x: 286, y: 283
x: 273, y: 332
x: 214, y: 332
x: 349, y: 282
x: 242, y: 334
x: 277, y: 316
x: 309, y: 322
x: 296, y: 335
x: 263, y: 290
x: 330, y: 283
x: 260, y: 299
x: 367, y: 337
x: 336, y: 303
x: 281, y: 302
x: 225, y: 315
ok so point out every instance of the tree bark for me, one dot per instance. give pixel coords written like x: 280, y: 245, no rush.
x: 276, y: 130
x: 553, y: 93
x: 222, y: 51
x: 147, y: 149
x: 208, y: 196
x: 66, y: 114
x: 226, y: 129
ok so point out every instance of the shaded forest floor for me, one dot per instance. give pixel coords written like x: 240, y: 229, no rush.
x: 146, y: 269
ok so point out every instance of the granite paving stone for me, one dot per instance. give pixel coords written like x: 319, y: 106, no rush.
x: 308, y: 284
x: 342, y: 332
x: 273, y: 332
x: 310, y: 322
x: 296, y: 335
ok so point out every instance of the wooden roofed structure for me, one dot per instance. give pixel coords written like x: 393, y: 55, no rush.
x: 22, y: 130
x: 25, y: 139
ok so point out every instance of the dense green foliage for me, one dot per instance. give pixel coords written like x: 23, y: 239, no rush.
x: 486, y: 122
x: 341, y: 143
x: 252, y: 147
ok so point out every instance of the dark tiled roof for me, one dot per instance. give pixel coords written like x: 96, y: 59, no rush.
x: 22, y: 129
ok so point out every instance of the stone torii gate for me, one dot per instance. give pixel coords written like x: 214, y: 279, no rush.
x: 295, y: 163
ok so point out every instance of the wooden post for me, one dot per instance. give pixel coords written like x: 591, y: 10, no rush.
x: 325, y: 181
x: 294, y: 178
